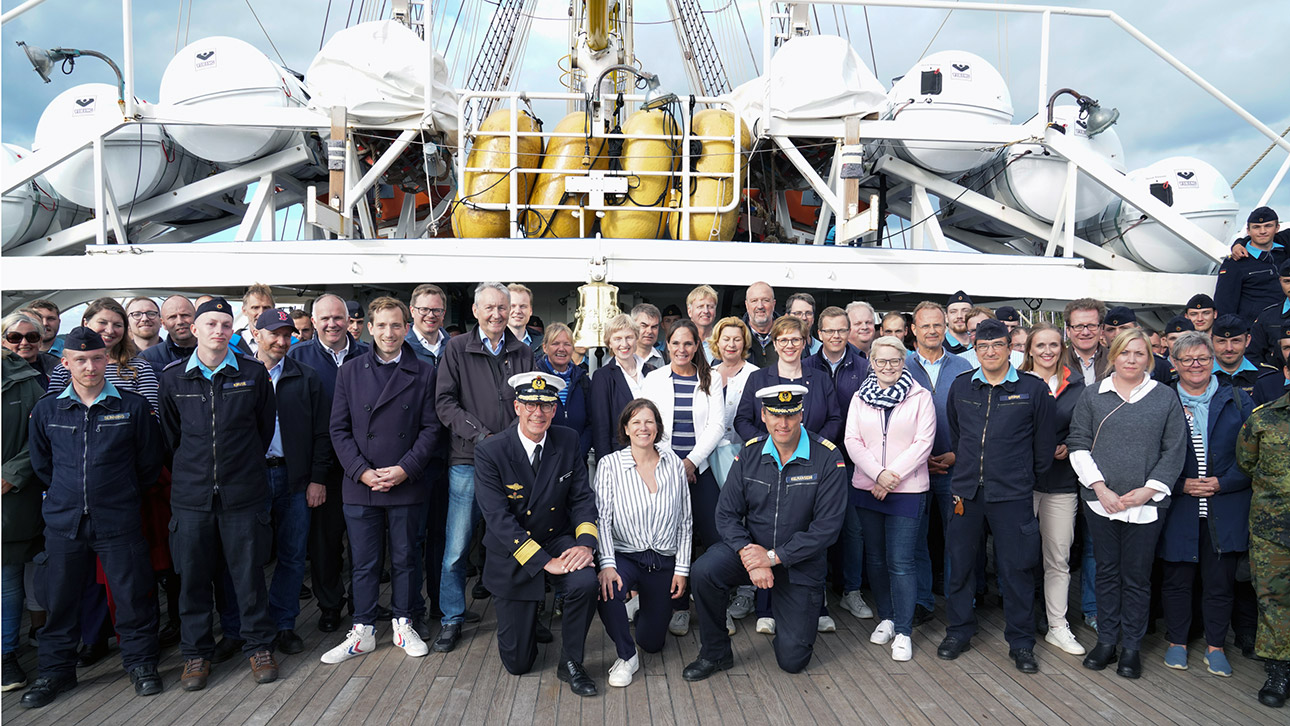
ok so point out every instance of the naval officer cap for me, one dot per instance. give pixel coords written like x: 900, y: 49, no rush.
x: 1120, y: 315
x: 536, y: 387
x: 214, y: 305
x: 82, y: 338
x: 1008, y: 314
x: 1200, y: 302
x: 1229, y: 326
x: 958, y: 297
x: 990, y: 329
x: 354, y: 310
x: 783, y: 400
x: 1178, y: 324
x: 1262, y: 215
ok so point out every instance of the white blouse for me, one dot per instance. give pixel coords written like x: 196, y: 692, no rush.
x: 633, y: 519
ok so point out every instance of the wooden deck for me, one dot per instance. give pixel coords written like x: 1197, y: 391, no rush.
x: 850, y: 681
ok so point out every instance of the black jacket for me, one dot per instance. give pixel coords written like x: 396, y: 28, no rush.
x: 609, y: 396
x: 1061, y: 479
x: 1266, y: 334
x: 95, y: 461
x: 160, y: 356
x: 1248, y: 285
x: 1004, y: 436
x: 218, y: 432
x: 823, y: 415
x: 796, y: 511
x: 303, y: 416
x: 1271, y: 385
x: 471, y: 395
x: 530, y: 518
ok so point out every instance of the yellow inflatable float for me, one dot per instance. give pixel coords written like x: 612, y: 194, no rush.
x: 716, y: 157
x: 492, y: 149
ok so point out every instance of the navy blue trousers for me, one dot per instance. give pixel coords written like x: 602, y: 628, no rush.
x: 1017, y: 551
x: 368, y: 527
x: 517, y: 621
x: 650, y: 575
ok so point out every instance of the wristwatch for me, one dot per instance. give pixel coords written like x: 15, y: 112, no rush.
x: 774, y: 560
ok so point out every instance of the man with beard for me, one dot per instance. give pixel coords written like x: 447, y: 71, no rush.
x: 144, y: 322
x: 759, y: 302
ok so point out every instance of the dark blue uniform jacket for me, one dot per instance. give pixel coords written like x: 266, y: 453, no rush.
x: 1004, y: 436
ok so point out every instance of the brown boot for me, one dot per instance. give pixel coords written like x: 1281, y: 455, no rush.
x: 263, y: 667
x: 196, y: 672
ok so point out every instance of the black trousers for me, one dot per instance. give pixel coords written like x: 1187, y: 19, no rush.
x: 129, y: 574
x: 1124, y: 554
x: 517, y: 621
x: 327, y: 550
x: 197, y: 540
x: 1218, y: 579
x: 1017, y: 553
x: 795, y: 608
x: 431, y: 537
x: 650, y: 575
x: 704, y: 494
x: 368, y: 528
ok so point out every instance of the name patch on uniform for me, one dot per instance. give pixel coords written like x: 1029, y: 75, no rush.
x: 803, y: 478
x: 124, y: 415
x: 1016, y: 397
x: 238, y: 384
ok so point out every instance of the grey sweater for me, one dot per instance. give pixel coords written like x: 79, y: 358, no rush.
x: 1130, y: 442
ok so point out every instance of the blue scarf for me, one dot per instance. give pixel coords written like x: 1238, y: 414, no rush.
x: 886, y: 398
x: 1199, y: 407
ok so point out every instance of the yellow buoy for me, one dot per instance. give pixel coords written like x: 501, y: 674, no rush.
x: 716, y: 157
x: 644, y: 191
x: 492, y: 149
x: 564, y: 156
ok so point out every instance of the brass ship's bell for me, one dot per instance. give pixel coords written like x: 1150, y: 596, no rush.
x: 597, y: 305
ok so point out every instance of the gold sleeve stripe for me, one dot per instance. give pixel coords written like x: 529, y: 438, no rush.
x: 587, y: 528
x: 526, y: 551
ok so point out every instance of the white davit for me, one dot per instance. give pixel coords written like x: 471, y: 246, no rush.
x: 33, y: 209
x: 225, y: 77
x: 377, y: 71
x: 1188, y: 185
x: 948, y: 90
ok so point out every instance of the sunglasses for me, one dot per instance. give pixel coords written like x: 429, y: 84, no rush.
x: 14, y: 338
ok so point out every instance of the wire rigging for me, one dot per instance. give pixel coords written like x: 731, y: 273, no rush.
x: 262, y: 29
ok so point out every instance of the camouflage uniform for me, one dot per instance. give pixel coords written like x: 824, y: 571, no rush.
x: 1263, y: 453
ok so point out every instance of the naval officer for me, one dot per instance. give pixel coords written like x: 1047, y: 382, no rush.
x: 540, y: 514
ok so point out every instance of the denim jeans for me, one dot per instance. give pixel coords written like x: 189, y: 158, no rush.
x: 291, y: 534
x: 1088, y: 570
x: 463, y: 514
x: 889, y: 548
x: 943, y: 498
x: 852, y: 550
x: 11, y: 598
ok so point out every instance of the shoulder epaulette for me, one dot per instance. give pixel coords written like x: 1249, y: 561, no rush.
x: 173, y: 363
x: 826, y: 443
x: 754, y: 440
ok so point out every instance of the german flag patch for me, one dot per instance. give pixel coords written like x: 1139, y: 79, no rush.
x: 842, y: 465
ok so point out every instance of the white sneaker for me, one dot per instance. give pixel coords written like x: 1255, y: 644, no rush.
x: 680, y: 623
x: 854, y: 604
x: 902, y: 648
x: 766, y: 626
x: 730, y: 624
x: 882, y: 634
x: 1063, y: 638
x: 826, y: 625
x: 620, y: 673
x: 633, y: 607
x: 360, y: 640
x: 741, y: 605
x: 407, y: 639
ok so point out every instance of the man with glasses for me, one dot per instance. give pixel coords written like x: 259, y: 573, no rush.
x: 1004, y: 434
x: 974, y: 318
x: 429, y: 308
x: 540, y: 518
x: 1084, y: 338
x: 1247, y: 281
x: 759, y: 303
x: 144, y: 322
x: 801, y: 305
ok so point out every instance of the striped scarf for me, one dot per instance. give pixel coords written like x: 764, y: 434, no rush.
x: 875, y: 395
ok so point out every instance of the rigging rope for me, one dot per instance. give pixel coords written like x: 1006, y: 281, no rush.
x: 938, y: 32
x: 262, y: 29
x: 1260, y: 159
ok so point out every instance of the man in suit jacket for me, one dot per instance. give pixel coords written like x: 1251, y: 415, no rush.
x: 540, y: 515
x: 385, y: 432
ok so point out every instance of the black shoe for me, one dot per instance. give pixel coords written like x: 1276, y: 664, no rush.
x: 557, y: 606
x: 288, y: 642
x: 226, y: 648
x: 1024, y: 658
x: 544, y: 634
x: 14, y: 677
x: 470, y: 616
x: 447, y: 640
x: 385, y: 577
x: 43, y: 691
x: 328, y: 620
x: 479, y: 592
x: 168, y: 635
x: 1102, y: 655
x: 1273, y: 693
x: 952, y: 647
x: 305, y: 592
x: 921, y: 615
x: 701, y: 668
x: 1130, y: 664
x: 1245, y: 641
x: 421, y: 628
x: 146, y: 680
x: 92, y: 654
x: 572, y: 672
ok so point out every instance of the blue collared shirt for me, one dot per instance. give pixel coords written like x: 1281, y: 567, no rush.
x: 109, y: 390
x: 803, y: 450
x: 1285, y: 307
x: 275, y: 446
x: 488, y: 345
x: 933, y: 368
x: 1010, y: 378
x: 1245, y: 365
x: 208, y: 373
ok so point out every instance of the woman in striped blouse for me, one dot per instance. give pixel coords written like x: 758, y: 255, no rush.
x: 645, y: 535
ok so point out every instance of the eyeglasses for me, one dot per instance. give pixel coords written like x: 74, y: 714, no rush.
x: 930, y: 326
x: 1203, y: 360
x: 1087, y: 327
x: 432, y: 312
x: 997, y: 345
x: 141, y: 314
x: 790, y: 342
x: 14, y: 338
x: 544, y: 407
x: 886, y: 362
x: 834, y: 332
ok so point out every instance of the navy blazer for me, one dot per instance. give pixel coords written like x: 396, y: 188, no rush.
x: 850, y: 373
x: 1229, y: 510
x: 531, y: 518
x: 822, y: 416
x: 374, y: 426
x: 311, y: 353
x: 609, y: 396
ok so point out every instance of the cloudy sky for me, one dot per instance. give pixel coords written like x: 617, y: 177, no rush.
x: 1240, y: 49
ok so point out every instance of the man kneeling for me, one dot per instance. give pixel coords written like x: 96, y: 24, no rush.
x: 781, y: 508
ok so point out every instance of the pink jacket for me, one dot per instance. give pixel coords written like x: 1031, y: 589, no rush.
x: 903, y: 447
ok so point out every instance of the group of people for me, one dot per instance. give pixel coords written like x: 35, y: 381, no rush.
x: 741, y: 464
